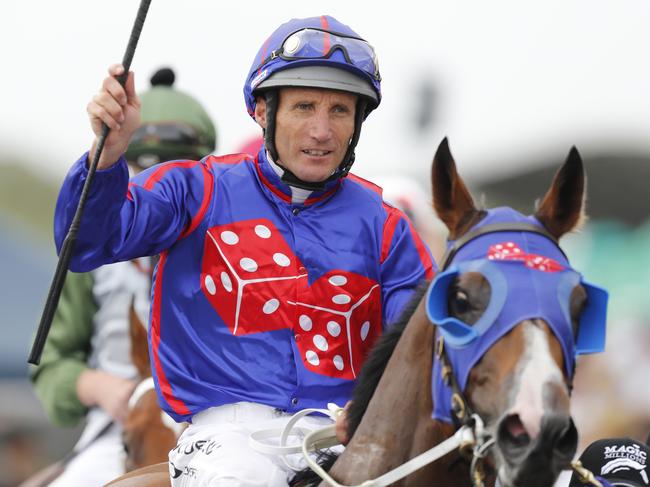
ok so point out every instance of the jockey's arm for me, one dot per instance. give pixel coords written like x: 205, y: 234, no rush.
x: 125, y: 220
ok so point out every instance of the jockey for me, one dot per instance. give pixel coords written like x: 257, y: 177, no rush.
x: 86, y: 370
x: 277, y: 272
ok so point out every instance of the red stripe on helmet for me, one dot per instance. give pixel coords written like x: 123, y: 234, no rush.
x: 326, y: 41
x: 263, y: 56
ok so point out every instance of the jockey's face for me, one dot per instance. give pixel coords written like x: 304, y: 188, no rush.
x: 313, y: 128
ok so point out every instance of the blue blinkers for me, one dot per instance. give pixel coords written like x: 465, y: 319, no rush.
x: 519, y: 292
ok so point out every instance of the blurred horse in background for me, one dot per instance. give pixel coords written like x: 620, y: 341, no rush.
x: 148, y: 432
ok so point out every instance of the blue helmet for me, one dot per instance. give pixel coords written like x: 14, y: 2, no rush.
x: 296, y: 53
x: 317, y: 52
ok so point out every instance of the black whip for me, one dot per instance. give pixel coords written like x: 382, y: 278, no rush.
x: 58, y: 280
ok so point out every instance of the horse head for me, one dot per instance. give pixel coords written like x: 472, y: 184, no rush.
x: 511, y: 316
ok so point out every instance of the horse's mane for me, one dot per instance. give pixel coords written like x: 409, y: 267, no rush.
x: 375, y: 365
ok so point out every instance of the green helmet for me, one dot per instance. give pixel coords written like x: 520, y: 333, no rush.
x: 174, y: 125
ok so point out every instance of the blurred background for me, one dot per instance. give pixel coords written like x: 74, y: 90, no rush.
x: 512, y: 84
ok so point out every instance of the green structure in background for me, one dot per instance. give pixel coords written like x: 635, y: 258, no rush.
x: 617, y: 257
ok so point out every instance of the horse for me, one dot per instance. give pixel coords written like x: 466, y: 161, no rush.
x: 149, y: 433
x: 513, y: 372
x: 479, y: 363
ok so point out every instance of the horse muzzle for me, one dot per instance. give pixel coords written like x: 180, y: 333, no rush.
x: 535, y: 462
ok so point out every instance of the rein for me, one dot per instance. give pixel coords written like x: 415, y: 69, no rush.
x: 144, y: 386
x: 140, y: 390
x: 463, y: 438
x: 466, y: 416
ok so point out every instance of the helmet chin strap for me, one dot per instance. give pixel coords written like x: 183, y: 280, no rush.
x: 271, y: 97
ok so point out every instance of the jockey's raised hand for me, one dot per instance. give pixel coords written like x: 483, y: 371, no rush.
x: 119, y: 108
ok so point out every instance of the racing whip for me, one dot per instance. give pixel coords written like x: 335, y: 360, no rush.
x: 68, y: 244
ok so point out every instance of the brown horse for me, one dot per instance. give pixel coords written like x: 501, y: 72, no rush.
x: 149, y: 433
x: 519, y: 386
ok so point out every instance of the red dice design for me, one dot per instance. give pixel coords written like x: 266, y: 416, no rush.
x: 511, y: 251
x: 247, y: 271
x: 338, y: 321
x: 256, y: 283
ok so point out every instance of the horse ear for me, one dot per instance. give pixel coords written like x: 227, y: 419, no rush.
x: 139, y: 344
x: 563, y: 207
x: 451, y: 198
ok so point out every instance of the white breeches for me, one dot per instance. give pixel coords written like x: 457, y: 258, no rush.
x: 214, y: 450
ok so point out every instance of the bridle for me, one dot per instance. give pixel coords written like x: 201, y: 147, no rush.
x: 464, y: 415
x: 462, y: 411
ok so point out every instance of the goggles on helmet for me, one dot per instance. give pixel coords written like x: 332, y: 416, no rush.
x: 311, y: 43
x: 168, y: 132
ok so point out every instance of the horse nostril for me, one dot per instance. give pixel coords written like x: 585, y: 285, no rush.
x: 514, y: 426
x: 511, y: 434
x: 566, y: 439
